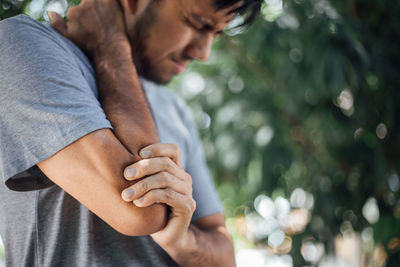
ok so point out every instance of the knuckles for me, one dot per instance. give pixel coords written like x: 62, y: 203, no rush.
x: 165, y: 177
x: 190, y: 206
x: 169, y: 195
x: 193, y: 205
x: 188, y: 178
x: 143, y: 187
x: 176, y: 149
x: 190, y: 189
x: 151, y: 197
x: 167, y: 164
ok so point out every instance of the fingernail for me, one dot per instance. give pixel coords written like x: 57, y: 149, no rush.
x: 138, y: 201
x: 128, y: 194
x: 130, y: 173
x: 146, y: 154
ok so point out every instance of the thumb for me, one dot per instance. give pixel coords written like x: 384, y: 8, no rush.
x: 57, y: 22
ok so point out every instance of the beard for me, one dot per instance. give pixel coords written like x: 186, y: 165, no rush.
x: 142, y: 28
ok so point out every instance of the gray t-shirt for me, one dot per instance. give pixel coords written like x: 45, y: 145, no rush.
x: 48, y: 99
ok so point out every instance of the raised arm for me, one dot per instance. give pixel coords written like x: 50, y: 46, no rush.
x: 97, y: 27
x: 91, y: 169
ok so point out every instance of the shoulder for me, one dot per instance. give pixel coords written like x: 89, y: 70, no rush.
x: 34, y: 54
x: 18, y: 24
x: 23, y: 32
x: 33, y: 43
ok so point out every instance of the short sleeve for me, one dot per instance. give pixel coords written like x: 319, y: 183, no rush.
x: 46, y: 103
x: 204, y: 191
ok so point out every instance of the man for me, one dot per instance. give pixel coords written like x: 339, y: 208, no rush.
x: 56, y: 139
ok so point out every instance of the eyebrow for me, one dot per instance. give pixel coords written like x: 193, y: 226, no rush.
x: 206, y: 23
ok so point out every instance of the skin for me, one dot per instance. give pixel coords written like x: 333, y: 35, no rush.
x: 203, y: 243
x: 91, y: 169
x: 181, y: 31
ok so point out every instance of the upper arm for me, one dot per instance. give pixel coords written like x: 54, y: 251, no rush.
x: 46, y: 102
x: 91, y: 170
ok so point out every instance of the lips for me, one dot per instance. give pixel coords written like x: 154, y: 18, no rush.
x: 178, y: 67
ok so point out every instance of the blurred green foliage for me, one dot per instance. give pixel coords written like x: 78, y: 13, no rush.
x: 9, y: 8
x: 324, y: 76
x: 307, y: 97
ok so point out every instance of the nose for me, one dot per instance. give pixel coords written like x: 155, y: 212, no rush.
x: 200, y: 47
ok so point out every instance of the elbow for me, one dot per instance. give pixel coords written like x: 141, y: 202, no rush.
x: 151, y: 220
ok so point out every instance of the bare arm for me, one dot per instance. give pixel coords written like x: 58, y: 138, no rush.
x: 98, y: 29
x: 91, y: 169
x: 209, y: 244
x: 206, y: 243
x: 122, y: 97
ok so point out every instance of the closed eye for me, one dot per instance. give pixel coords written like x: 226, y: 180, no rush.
x: 204, y: 28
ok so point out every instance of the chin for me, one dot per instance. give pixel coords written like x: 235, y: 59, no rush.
x: 153, y: 72
x: 157, y: 78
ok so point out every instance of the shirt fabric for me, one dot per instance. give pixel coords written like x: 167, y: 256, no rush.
x: 48, y: 100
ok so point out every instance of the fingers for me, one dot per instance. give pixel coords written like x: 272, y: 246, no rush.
x: 162, y: 180
x: 183, y: 204
x: 147, y: 167
x: 162, y: 150
x: 165, y: 180
x: 57, y: 22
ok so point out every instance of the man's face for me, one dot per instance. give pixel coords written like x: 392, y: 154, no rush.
x: 171, y: 33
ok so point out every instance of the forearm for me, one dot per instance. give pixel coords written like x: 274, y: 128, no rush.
x: 122, y: 97
x: 90, y: 170
x: 100, y: 159
x: 125, y: 105
x: 205, y: 248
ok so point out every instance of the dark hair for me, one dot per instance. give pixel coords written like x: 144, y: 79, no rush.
x: 249, y: 10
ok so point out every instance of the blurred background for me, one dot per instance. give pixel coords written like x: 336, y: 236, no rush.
x: 300, y: 120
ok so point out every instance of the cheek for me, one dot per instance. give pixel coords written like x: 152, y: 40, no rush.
x: 170, y: 38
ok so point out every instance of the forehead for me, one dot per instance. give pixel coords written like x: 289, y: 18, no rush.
x: 206, y: 10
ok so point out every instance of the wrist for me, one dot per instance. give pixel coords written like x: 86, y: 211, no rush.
x: 181, y: 250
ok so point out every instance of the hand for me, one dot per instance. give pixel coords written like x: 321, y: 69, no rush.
x: 165, y: 181
x: 93, y: 25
